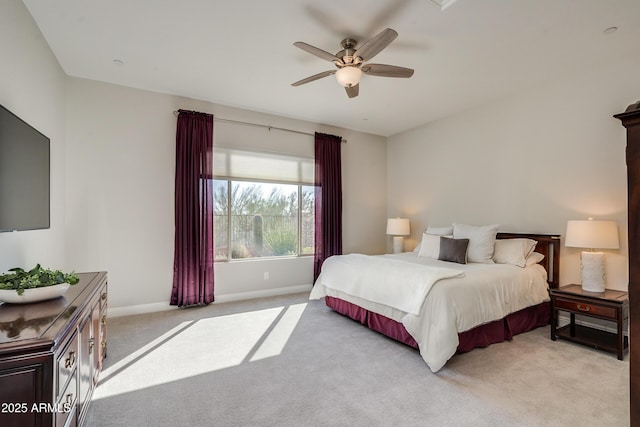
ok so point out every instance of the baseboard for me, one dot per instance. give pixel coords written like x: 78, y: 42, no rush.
x: 139, y: 309
x: 262, y: 294
x: 240, y: 296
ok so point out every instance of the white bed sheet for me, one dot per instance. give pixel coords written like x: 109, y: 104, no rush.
x: 485, y: 293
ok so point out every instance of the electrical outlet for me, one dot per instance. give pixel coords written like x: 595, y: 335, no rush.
x: 266, y: 275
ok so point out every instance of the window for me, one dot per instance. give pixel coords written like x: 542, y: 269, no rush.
x: 268, y: 217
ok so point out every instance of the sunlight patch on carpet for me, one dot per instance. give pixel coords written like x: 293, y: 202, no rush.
x: 276, y: 340
x: 201, y: 346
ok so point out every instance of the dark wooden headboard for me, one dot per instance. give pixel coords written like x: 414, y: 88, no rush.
x: 549, y: 246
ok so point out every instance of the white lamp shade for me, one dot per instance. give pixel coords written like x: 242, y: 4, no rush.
x: 592, y: 234
x: 398, y: 226
x: 348, y: 76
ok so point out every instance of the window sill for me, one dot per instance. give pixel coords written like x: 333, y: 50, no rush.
x: 272, y: 258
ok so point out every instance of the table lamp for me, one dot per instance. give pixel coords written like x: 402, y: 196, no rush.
x: 593, y: 235
x: 398, y: 227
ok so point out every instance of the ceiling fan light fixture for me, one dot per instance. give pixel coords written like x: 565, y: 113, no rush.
x: 348, y: 76
x: 352, y: 63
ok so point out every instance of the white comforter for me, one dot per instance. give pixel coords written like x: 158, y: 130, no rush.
x: 484, y: 293
x: 372, y: 280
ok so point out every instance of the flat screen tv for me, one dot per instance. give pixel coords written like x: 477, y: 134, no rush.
x: 24, y: 175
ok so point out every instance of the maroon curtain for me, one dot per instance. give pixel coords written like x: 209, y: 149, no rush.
x: 328, y: 199
x: 193, y: 256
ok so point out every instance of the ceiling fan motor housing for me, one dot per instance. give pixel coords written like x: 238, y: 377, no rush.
x: 347, y: 54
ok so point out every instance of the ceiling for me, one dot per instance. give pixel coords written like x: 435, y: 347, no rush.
x: 240, y: 53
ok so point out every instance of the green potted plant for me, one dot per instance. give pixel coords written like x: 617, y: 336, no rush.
x: 38, y: 277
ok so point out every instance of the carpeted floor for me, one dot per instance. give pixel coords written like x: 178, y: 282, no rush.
x: 287, y: 361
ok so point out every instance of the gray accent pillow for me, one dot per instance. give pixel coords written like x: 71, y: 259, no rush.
x: 453, y: 250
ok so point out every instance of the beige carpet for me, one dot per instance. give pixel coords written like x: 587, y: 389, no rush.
x: 286, y: 361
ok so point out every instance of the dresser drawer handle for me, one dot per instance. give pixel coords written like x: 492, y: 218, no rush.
x: 71, y: 360
x: 584, y: 308
x: 104, y: 296
x: 104, y: 319
x: 69, y: 400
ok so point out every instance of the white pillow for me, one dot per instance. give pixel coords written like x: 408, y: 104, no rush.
x: 513, y: 251
x: 440, y: 231
x: 430, y: 246
x: 481, y: 240
x: 437, y: 231
x: 416, y: 250
x: 534, y: 258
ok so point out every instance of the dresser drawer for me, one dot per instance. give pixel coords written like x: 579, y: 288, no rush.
x: 65, y: 408
x: 103, y: 297
x: 586, y: 308
x: 66, y: 364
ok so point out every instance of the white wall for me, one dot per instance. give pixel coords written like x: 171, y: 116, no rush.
x: 32, y: 87
x: 120, y: 172
x: 529, y: 162
x: 112, y: 169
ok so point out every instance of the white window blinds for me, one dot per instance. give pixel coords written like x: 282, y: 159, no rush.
x: 244, y: 164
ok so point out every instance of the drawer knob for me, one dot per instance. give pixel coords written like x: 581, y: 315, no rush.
x: 70, y: 360
x: 104, y: 296
x: 584, y: 308
x: 91, y: 344
x: 69, y: 400
x: 104, y: 319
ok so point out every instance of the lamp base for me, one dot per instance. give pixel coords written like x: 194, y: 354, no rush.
x: 398, y: 244
x: 593, y: 271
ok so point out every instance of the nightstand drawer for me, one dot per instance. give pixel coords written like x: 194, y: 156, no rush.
x: 586, y: 308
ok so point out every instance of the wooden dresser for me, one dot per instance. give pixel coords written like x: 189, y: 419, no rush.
x: 631, y: 121
x: 51, y: 353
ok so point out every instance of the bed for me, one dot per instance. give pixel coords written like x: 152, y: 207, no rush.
x: 465, y: 306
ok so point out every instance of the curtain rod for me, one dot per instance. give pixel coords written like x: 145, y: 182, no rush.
x: 269, y: 127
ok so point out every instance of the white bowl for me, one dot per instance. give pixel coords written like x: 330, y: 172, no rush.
x: 34, y: 294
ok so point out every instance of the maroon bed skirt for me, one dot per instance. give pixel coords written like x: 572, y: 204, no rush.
x: 480, y: 336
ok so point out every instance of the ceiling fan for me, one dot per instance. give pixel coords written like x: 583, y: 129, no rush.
x: 350, y: 62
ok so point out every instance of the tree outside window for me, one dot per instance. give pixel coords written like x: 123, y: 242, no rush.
x: 260, y: 219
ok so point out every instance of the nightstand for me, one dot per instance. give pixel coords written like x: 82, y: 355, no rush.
x: 609, y: 305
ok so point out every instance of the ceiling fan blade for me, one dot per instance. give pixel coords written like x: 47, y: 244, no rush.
x: 314, y: 77
x: 316, y: 51
x: 352, y: 91
x: 384, y: 70
x: 374, y: 45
